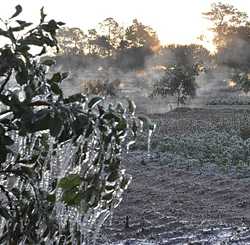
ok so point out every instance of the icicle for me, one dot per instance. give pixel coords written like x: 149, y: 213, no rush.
x: 149, y: 143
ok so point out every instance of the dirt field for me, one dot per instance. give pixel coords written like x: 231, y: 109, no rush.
x: 168, y: 204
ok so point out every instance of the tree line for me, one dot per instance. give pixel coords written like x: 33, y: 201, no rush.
x: 127, y: 48
x: 107, y: 39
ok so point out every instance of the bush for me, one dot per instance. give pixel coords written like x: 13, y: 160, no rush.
x: 60, y: 158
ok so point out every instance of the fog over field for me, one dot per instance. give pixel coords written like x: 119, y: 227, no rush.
x: 124, y: 124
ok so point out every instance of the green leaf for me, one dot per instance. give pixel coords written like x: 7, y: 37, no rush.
x: 75, y: 98
x: 56, y: 126
x: 7, y: 140
x: 108, y: 197
x: 23, y: 23
x: 49, y: 62
x: 42, y: 14
x: 94, y: 101
x: 4, y: 33
x: 80, y: 124
x: 60, y: 23
x: 111, y: 116
x: 51, y: 27
x: 34, y: 40
x: 18, y: 11
x: 69, y: 181
x: 27, y: 170
x: 56, y: 89
x: 5, y: 99
x: 39, y: 121
x: 3, y: 153
x: 64, y: 75
x: 23, y: 49
x: 11, y: 35
x: 71, y: 197
x: 101, y: 110
x: 16, y: 192
x: 56, y: 78
x: 51, y: 198
x: 4, y: 213
x: 122, y: 125
x: 89, y: 130
x: 113, y: 176
x: 22, y: 77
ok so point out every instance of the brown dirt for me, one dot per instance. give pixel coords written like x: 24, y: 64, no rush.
x: 162, y: 199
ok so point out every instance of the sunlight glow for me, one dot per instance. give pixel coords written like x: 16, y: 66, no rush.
x: 175, y: 21
x: 231, y: 83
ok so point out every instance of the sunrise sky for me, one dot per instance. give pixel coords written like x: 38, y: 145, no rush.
x: 175, y: 21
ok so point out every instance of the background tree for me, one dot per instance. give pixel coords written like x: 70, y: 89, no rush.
x: 186, y: 55
x: 139, y: 42
x: 139, y: 35
x: 102, y: 46
x: 243, y: 81
x: 235, y: 54
x: 178, y: 81
x: 113, y: 32
x: 232, y: 39
x: 91, y: 41
x: 183, y: 63
x: 225, y: 20
x: 71, y: 41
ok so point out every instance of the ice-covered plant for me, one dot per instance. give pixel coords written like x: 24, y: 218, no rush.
x: 60, y: 157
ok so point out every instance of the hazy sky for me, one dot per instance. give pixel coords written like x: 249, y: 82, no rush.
x: 176, y: 21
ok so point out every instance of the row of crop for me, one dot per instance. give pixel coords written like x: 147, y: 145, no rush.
x: 228, y: 100
x: 220, y: 148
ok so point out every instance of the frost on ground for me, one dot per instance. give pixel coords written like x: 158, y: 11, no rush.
x: 195, y: 186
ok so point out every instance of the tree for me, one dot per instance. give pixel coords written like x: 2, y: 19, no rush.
x: 106, y: 40
x: 139, y: 35
x: 243, y: 81
x: 113, y: 33
x: 235, y: 53
x: 232, y: 38
x: 225, y: 19
x: 178, y: 81
x: 138, y: 43
x: 182, y: 63
x: 71, y: 41
x: 102, y: 46
x: 91, y: 41
x: 60, y: 157
x: 186, y: 55
x: 103, y: 88
x: 131, y: 58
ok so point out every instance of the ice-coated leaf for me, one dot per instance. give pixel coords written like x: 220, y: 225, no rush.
x: 131, y: 107
x: 147, y: 124
x: 94, y: 101
x: 18, y: 11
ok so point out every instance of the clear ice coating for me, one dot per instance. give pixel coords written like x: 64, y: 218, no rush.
x: 150, y: 132
x: 59, y: 161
